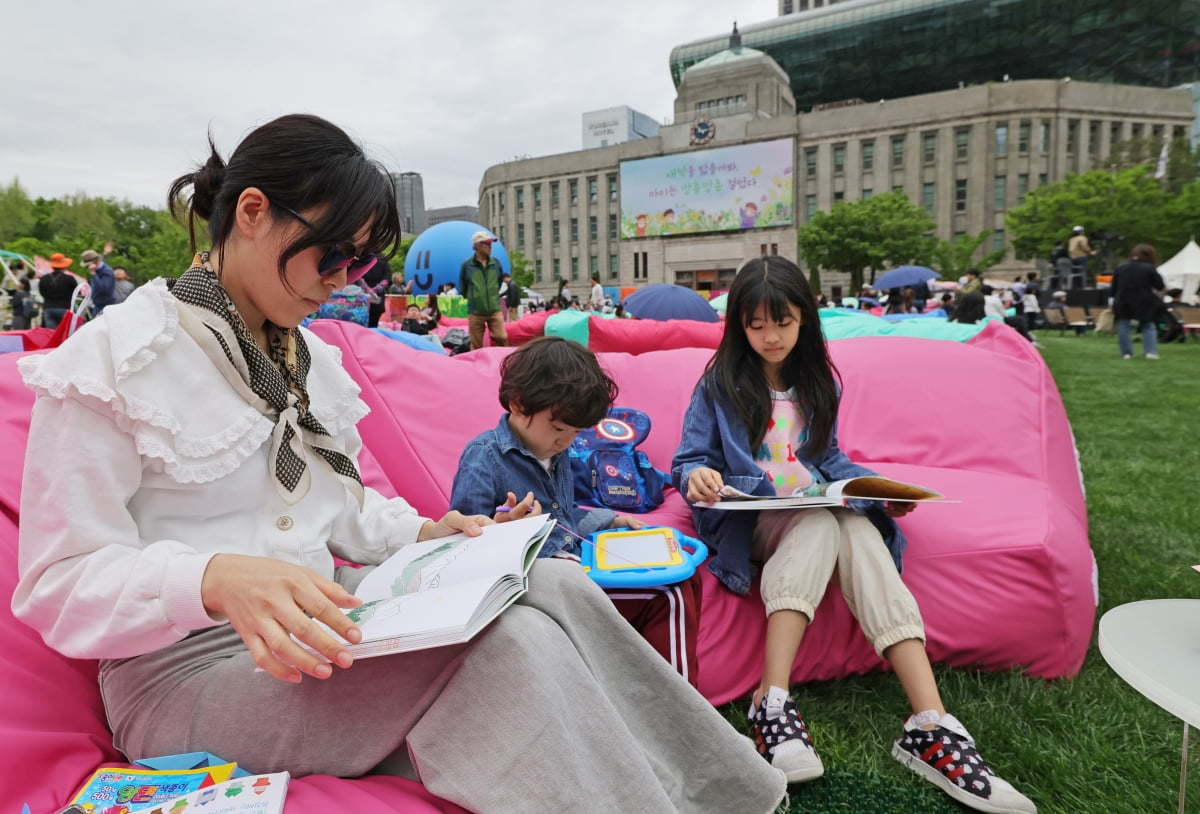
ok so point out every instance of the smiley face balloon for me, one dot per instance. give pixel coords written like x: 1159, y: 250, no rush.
x: 437, y: 254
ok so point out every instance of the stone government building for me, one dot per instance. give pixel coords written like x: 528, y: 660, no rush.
x: 967, y: 154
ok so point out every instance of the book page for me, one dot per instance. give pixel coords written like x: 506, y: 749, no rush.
x: 432, y: 564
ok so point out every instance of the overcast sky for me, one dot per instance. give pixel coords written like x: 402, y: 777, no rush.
x: 113, y: 99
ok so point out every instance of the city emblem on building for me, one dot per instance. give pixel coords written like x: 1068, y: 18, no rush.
x: 703, y: 131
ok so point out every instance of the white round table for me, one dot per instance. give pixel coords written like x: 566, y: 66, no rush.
x: 1154, y: 646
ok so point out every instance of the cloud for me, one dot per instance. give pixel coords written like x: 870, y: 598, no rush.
x: 115, y: 99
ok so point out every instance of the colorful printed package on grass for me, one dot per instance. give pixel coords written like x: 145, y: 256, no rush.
x: 123, y: 791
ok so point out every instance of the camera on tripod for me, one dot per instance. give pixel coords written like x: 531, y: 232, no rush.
x: 1102, y: 237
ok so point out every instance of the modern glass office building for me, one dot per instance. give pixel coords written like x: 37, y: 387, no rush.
x: 887, y: 49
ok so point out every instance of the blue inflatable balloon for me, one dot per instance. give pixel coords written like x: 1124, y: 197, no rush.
x: 437, y: 254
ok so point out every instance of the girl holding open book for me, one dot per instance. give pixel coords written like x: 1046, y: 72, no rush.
x: 763, y: 420
x: 206, y: 447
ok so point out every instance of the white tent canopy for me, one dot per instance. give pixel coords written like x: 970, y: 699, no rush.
x: 1183, y: 271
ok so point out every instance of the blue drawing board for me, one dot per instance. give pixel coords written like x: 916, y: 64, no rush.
x: 640, y: 558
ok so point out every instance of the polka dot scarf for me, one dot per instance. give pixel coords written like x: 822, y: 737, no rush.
x: 277, y: 377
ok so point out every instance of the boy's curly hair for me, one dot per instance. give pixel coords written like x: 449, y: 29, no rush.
x: 556, y: 374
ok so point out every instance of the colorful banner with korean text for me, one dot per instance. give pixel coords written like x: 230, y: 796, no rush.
x: 727, y: 188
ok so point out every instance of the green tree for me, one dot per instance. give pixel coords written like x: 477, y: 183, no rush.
x: 522, y: 269
x: 1128, y: 202
x: 952, y: 258
x: 16, y: 212
x: 859, y: 236
x: 1182, y: 167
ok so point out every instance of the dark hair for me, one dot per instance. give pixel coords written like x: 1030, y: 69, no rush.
x: 987, y: 289
x: 969, y: 308
x: 1145, y: 252
x: 298, y: 161
x: 556, y: 374
x: 735, y: 374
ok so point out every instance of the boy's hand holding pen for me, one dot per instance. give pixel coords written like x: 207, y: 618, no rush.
x: 513, y: 510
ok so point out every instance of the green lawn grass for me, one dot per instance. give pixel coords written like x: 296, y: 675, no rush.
x: 1087, y: 744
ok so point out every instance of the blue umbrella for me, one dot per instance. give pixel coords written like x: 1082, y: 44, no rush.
x: 902, y: 276
x: 663, y: 301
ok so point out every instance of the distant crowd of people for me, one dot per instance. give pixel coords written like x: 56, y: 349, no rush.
x: 45, y: 299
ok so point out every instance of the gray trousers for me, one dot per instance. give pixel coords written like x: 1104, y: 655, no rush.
x: 557, y: 706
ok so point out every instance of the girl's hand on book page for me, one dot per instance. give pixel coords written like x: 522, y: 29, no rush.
x: 514, y: 510
x: 454, y: 523
x: 704, y: 485
x: 897, y: 509
x: 267, y: 601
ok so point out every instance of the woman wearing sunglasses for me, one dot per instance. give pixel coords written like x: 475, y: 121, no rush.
x: 225, y: 480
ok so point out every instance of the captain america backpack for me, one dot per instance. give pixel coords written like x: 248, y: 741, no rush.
x: 608, y: 468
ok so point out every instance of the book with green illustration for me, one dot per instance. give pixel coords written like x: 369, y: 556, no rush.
x: 832, y: 493
x: 444, y: 591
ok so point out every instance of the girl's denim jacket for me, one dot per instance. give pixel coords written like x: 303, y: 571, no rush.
x: 715, y: 438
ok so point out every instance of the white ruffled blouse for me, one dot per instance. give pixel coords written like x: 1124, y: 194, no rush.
x: 143, y: 463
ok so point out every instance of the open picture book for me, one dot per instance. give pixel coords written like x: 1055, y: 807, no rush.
x: 444, y: 591
x: 833, y: 493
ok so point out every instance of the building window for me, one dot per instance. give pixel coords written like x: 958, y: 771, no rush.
x: 897, y: 152
x: 574, y: 230
x: 1000, y: 190
x: 998, y: 240
x: 1022, y: 187
x: 1043, y: 179
x: 501, y: 199
x: 537, y: 233
x: 1094, y: 138
x: 502, y: 232
x: 787, y: 6
x: 839, y: 158
x: 574, y: 190
x: 1023, y: 133
x: 593, y: 189
x: 612, y: 227
x: 1073, y: 136
x: 594, y: 265
x: 1157, y: 133
x: 868, y: 156
x: 593, y: 229
x: 810, y: 206
x: 520, y: 198
x: 612, y: 187
x: 520, y: 236
x: 927, y: 196
x: 1114, y: 134
x: 557, y: 269
x: 554, y: 193
x: 1044, y: 137
x: 1137, y: 131
x: 556, y: 232
x: 960, y: 195
x: 537, y: 270
x: 962, y: 140
x: 929, y: 147
x: 838, y: 196
x: 641, y: 266
x: 614, y: 267
x: 537, y: 196
x: 810, y: 162
x: 574, y: 268
x: 867, y: 193
x: 1178, y: 132
x: 1001, y: 140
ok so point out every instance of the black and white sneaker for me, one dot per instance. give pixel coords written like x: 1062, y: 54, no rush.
x: 946, y: 756
x: 781, y: 736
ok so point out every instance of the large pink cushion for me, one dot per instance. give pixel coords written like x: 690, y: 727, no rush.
x: 1004, y: 578
x: 53, y: 733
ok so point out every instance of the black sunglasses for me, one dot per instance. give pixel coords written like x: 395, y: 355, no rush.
x: 343, y: 255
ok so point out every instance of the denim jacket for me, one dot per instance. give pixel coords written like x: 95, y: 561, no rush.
x: 496, y: 463
x: 715, y: 438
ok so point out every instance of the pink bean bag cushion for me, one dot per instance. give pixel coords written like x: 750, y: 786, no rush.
x: 1004, y: 578
x: 53, y: 732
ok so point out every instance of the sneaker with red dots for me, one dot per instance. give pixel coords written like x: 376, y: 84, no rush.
x: 946, y: 756
x: 781, y: 736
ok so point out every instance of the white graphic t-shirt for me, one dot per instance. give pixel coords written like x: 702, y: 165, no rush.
x: 787, y: 432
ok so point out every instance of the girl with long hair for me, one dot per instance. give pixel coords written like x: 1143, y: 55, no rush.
x: 763, y: 419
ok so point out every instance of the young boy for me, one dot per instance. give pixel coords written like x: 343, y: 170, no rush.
x: 552, y: 388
